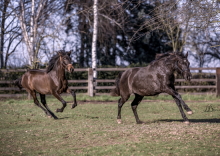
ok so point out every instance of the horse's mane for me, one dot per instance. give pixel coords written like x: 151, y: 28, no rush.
x: 54, y: 59
x: 160, y: 56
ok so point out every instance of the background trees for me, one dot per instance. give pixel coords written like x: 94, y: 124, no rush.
x: 190, y: 26
x: 129, y: 32
x: 10, y: 33
x: 118, y: 21
x: 203, y: 40
x: 34, y: 25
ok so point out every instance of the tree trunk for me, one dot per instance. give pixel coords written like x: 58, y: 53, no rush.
x: 94, y: 39
x: 83, y: 41
x: 5, y: 5
x: 31, y: 43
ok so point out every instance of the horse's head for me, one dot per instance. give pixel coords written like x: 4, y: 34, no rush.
x: 65, y: 59
x: 182, y: 66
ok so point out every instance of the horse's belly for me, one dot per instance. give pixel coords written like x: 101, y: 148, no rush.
x: 146, y: 87
x: 148, y: 90
x: 42, y: 86
x: 42, y: 89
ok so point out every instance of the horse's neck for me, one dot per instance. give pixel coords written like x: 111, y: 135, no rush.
x: 165, y: 66
x: 61, y: 74
x: 58, y: 73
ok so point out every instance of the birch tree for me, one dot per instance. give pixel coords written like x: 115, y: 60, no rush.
x: 33, y: 16
x: 110, y: 22
x: 29, y: 25
x: 94, y: 38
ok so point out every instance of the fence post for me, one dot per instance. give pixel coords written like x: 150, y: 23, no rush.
x: 90, y: 82
x: 217, y: 81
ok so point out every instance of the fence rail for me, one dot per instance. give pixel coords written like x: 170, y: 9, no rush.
x: 93, y: 85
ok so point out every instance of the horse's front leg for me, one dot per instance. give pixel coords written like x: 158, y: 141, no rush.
x: 74, y: 97
x: 178, y: 101
x: 185, y: 106
x: 61, y: 100
x: 179, y: 98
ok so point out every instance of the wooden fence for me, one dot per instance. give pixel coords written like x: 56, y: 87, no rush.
x: 93, y: 85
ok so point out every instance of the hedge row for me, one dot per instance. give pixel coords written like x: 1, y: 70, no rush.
x: 11, y: 76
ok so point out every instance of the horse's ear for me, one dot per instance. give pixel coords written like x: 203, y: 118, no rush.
x: 69, y: 53
x: 158, y: 55
x: 59, y: 53
x: 186, y: 54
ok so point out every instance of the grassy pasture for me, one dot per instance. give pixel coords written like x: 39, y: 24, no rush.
x: 91, y: 128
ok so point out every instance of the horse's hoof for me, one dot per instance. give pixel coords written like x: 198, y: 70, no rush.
x: 73, y: 106
x: 140, y: 122
x: 190, y: 112
x: 49, y: 116
x: 187, y: 122
x: 119, y: 121
x: 59, y: 110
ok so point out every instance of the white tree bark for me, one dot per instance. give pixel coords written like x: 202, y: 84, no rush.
x: 94, y: 38
x: 30, y: 36
x: 21, y: 17
x: 31, y: 44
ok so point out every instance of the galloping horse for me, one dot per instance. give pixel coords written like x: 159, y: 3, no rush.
x: 157, y: 77
x: 52, y: 81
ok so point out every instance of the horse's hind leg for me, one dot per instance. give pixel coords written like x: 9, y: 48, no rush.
x: 43, y: 101
x: 121, y: 102
x: 33, y: 94
x: 134, y: 105
x: 74, y: 97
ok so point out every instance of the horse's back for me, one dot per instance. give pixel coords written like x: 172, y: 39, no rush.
x: 37, y: 80
x: 143, y: 81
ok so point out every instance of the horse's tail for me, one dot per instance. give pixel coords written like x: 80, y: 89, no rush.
x: 116, y: 91
x: 17, y: 82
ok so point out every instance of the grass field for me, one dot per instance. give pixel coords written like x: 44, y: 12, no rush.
x: 91, y: 128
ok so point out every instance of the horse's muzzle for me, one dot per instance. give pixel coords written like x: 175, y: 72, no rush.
x: 187, y: 76
x: 70, y: 68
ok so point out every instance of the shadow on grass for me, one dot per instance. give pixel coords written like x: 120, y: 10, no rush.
x: 215, y: 120
x: 84, y: 116
x: 63, y: 118
x: 91, y: 117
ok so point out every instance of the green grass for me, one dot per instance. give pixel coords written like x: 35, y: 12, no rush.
x: 105, y: 98
x: 91, y: 128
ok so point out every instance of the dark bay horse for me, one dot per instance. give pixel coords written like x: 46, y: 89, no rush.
x: 52, y: 81
x: 157, y: 77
